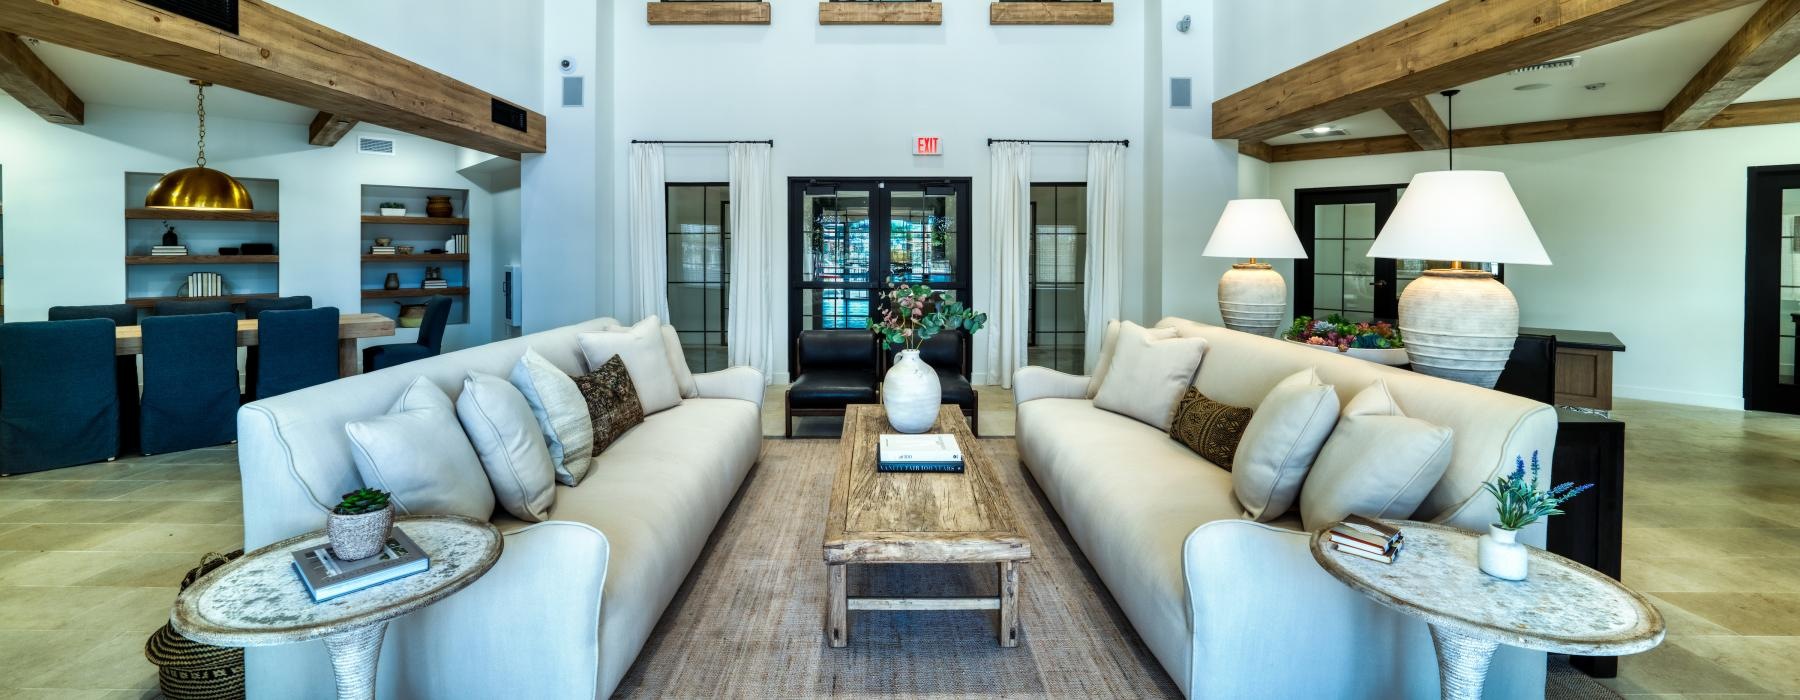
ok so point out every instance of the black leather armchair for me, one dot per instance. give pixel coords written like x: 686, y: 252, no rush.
x: 948, y: 353
x: 834, y: 369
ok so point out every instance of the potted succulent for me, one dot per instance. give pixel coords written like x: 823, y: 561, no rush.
x: 911, y: 315
x: 393, y: 209
x: 1377, y: 342
x: 1519, y: 503
x: 359, y: 525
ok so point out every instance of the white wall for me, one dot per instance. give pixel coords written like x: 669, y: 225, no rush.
x: 563, y: 199
x: 1647, y: 237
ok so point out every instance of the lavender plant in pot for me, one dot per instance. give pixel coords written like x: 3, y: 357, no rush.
x: 1518, y: 503
x: 911, y: 315
x: 358, y: 527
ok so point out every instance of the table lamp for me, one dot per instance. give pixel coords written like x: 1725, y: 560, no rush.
x: 1252, y: 295
x: 1459, y: 323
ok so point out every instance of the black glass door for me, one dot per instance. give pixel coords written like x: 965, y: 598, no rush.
x: 1337, y: 225
x: 1772, y: 289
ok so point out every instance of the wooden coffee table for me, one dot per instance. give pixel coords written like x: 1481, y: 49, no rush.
x: 911, y: 518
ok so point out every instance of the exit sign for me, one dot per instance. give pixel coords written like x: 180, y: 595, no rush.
x: 926, y: 146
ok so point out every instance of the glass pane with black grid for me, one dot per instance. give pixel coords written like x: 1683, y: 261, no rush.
x: 1057, y: 334
x: 699, y: 260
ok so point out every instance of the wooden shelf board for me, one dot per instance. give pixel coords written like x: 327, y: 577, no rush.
x: 881, y: 13
x: 416, y: 257
x: 414, y: 292
x: 202, y: 259
x: 201, y: 215
x: 1050, y: 13
x: 416, y: 220
x: 147, y: 302
x: 657, y: 12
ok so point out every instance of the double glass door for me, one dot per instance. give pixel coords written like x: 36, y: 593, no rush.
x: 1337, y: 226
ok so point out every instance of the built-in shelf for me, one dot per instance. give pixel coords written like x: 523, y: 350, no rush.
x: 657, y: 12
x: 1050, y: 13
x: 202, y: 259
x: 201, y: 215
x: 416, y: 257
x: 410, y: 293
x: 147, y: 302
x: 416, y: 220
x: 881, y: 13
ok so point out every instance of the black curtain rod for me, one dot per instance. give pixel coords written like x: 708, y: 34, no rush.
x: 1123, y: 142
x: 771, y: 142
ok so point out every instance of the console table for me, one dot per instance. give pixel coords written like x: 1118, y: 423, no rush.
x: 1590, y: 449
x: 1584, y: 362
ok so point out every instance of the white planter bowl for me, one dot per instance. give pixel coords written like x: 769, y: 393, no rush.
x: 1392, y: 357
x: 393, y: 212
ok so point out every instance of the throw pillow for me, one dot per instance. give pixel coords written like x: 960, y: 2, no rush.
x: 561, y: 412
x: 646, y: 358
x: 1283, y: 437
x: 1108, y: 342
x: 420, y: 456
x: 612, y: 401
x: 506, y: 436
x: 1209, y: 428
x: 1148, y: 372
x: 1378, y: 462
x: 684, y: 377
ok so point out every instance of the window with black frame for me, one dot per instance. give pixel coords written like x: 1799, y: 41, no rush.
x: 1057, y: 335
x: 699, y: 250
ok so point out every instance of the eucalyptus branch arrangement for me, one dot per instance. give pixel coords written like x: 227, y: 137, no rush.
x: 1519, y: 501
x: 913, y: 314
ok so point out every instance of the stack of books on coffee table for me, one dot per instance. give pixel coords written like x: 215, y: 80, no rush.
x: 1367, y: 538
x: 936, y: 452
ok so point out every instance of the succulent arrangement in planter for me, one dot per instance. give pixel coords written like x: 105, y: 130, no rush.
x: 358, y: 527
x: 1518, y: 503
x: 912, y: 314
x: 1376, y: 342
x: 393, y: 209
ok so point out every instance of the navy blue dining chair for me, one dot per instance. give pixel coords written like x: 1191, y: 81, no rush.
x: 59, y: 404
x: 430, y: 342
x: 190, y: 382
x: 125, y: 366
x: 253, y: 309
x: 299, y: 349
x: 187, y: 308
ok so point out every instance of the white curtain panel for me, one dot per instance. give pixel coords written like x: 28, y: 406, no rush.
x: 1104, y: 280
x: 750, y: 324
x: 1009, y: 221
x: 648, y: 245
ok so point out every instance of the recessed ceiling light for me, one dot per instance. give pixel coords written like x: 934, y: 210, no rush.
x: 1531, y: 86
x: 1321, y: 129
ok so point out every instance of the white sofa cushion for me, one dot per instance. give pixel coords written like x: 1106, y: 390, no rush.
x: 1108, y: 343
x: 506, y: 437
x: 1284, y: 435
x: 646, y: 357
x: 561, y: 413
x: 684, y: 377
x: 1378, y: 462
x: 1148, y: 372
x: 418, y: 453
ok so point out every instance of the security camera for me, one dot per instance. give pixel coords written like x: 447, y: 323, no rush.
x: 567, y: 65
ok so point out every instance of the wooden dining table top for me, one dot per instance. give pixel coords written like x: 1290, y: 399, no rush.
x: 130, y: 339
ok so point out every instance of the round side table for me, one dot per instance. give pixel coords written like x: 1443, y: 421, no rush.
x: 258, y: 600
x: 1563, y: 607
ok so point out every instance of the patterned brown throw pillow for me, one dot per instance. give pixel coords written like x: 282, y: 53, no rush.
x: 1209, y: 428
x: 612, y: 402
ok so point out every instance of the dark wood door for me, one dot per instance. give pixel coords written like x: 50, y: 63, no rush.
x: 1337, y: 225
x: 1771, y: 289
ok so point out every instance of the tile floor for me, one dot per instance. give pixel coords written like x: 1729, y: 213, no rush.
x: 90, y: 556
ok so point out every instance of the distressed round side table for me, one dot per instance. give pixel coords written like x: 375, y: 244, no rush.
x: 258, y: 600
x: 1563, y: 607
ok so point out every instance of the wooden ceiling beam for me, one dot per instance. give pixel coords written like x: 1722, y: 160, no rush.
x: 1420, y: 121
x: 283, y: 56
x: 1765, y: 43
x: 327, y: 129
x: 1456, y: 42
x: 1258, y: 150
x: 24, y: 76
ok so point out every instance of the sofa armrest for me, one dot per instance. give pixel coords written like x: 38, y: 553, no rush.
x: 1033, y: 383
x: 743, y: 383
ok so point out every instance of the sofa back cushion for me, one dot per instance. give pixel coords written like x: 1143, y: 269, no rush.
x: 646, y: 356
x: 419, y: 454
x: 1149, y: 370
x: 1378, y: 463
x: 1280, y: 442
x: 506, y: 436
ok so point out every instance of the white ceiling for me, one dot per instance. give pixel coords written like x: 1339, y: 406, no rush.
x: 100, y: 80
x: 1641, y: 75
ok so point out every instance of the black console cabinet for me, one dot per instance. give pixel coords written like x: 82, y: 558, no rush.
x: 1590, y: 449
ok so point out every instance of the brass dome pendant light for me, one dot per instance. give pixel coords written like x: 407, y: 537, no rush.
x: 198, y: 187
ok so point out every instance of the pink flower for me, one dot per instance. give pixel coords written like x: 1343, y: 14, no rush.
x: 906, y: 333
x: 917, y: 312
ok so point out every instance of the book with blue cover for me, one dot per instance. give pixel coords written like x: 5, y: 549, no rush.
x: 326, y: 576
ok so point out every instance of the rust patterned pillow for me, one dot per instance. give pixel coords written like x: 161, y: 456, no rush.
x: 1209, y: 428
x: 612, y: 401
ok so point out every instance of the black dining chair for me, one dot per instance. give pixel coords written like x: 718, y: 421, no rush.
x: 190, y: 382
x: 430, y: 342
x: 948, y: 353
x: 833, y: 369
x: 299, y: 349
x: 125, y: 367
x: 253, y: 309
x: 59, y: 403
x: 188, y: 308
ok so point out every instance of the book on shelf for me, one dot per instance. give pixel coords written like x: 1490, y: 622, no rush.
x: 934, y: 452
x: 205, y: 284
x: 162, y: 250
x: 382, y: 250
x: 458, y: 243
x: 326, y: 576
x: 435, y: 284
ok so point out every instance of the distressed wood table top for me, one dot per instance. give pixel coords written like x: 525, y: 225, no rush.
x: 917, y: 517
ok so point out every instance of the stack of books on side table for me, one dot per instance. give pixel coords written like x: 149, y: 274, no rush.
x: 167, y: 250
x: 327, y: 576
x: 936, y: 452
x: 1368, y: 538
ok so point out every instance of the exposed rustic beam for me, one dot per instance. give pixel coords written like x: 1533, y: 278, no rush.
x: 24, y: 76
x: 1257, y: 149
x: 1050, y: 13
x: 284, y: 56
x: 1757, y: 114
x: 327, y: 129
x: 881, y: 13
x: 1766, y: 42
x: 1457, y: 42
x: 658, y: 12
x: 1343, y: 148
x: 1421, y: 122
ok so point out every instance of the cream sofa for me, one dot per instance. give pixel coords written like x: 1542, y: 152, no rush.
x: 1238, y: 609
x: 572, y: 599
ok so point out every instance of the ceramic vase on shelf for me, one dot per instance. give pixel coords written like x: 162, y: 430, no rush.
x: 1501, y: 556
x: 438, y: 207
x: 392, y: 281
x: 910, y: 393
x: 359, y: 536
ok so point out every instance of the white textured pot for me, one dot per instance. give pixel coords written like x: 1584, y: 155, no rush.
x: 911, y: 394
x: 1459, y: 325
x: 1392, y: 357
x: 1501, y: 556
x: 1253, y: 298
x: 359, y: 536
x: 389, y: 211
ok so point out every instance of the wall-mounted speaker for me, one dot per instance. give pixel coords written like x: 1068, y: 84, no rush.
x: 1181, y: 92
x: 571, y: 91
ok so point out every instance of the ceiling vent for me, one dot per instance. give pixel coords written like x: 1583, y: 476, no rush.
x: 1311, y: 134
x: 375, y: 146
x: 1560, y: 64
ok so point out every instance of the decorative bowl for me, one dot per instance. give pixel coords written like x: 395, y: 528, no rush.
x: 1392, y: 357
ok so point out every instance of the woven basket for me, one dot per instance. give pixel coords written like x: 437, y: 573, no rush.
x: 191, y: 670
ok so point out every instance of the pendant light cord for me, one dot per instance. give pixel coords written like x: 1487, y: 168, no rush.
x: 1450, y: 129
x: 200, y: 108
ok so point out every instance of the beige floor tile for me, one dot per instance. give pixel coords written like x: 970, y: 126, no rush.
x: 1638, y: 515
x: 142, y: 569
x: 72, y: 511
x: 1751, y: 614
x: 29, y: 653
x: 141, y: 610
x: 116, y: 662
x: 60, y: 537
x: 1709, y: 543
x: 170, y: 537
x: 49, y: 568
x: 1768, y: 661
x: 53, y: 607
x: 180, y: 512
x: 1682, y: 622
x: 1672, y: 668
x: 88, y: 489
x: 212, y: 491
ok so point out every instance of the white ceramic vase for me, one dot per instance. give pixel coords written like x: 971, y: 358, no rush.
x: 1459, y: 325
x: 1253, y: 298
x: 911, y: 394
x: 1501, y: 556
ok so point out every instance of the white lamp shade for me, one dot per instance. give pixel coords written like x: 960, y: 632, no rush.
x: 1254, y: 228
x: 1460, y: 215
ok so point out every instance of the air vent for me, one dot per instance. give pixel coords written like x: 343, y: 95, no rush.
x: 1309, y: 134
x: 1559, y: 64
x: 375, y: 146
x: 222, y: 14
x: 509, y: 116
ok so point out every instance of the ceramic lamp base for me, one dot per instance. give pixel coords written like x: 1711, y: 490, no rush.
x: 1253, y: 298
x: 1459, y: 325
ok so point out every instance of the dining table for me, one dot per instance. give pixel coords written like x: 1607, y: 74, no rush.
x: 351, y: 327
